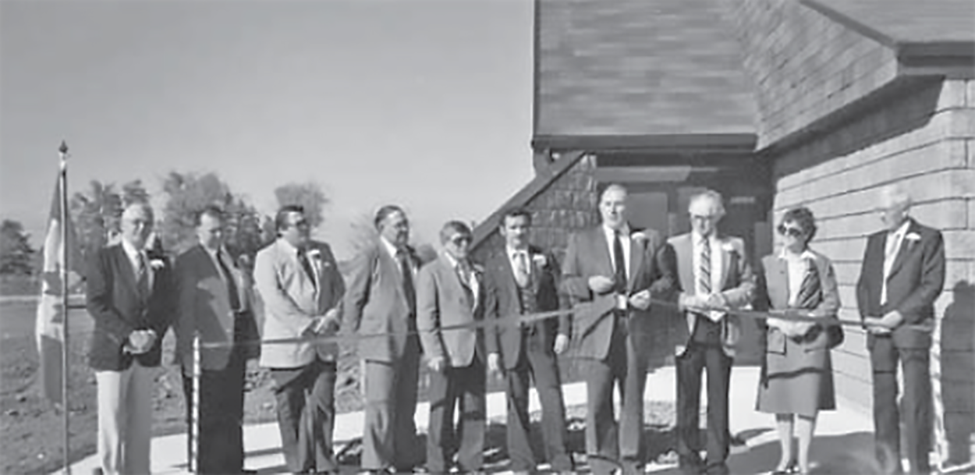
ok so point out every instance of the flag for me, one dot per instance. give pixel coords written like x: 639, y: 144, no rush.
x: 50, y: 326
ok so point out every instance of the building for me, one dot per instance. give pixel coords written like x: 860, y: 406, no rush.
x: 774, y: 103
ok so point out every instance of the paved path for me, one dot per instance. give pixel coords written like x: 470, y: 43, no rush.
x: 843, y: 431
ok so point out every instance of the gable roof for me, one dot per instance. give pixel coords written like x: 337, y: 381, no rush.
x: 895, y: 22
x: 638, y: 67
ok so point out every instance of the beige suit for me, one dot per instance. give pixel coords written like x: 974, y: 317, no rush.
x: 292, y: 300
x: 304, y: 372
x: 442, y: 301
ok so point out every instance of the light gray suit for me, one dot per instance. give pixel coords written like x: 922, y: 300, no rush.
x: 442, y: 300
x: 292, y: 300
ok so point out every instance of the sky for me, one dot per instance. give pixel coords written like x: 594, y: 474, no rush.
x: 422, y: 103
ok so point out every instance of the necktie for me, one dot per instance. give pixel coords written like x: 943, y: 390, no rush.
x: 810, y: 291
x: 305, y: 264
x: 141, y: 274
x: 620, y: 262
x: 464, y: 273
x: 407, y: 271
x: 228, y: 277
x: 704, y: 270
x: 522, y: 275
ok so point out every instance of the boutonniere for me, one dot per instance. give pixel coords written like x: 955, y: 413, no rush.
x: 157, y: 263
x: 639, y: 237
x: 913, y: 237
x: 729, y: 247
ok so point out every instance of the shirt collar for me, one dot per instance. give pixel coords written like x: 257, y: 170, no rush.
x: 902, y: 230
x: 610, y: 232
x: 390, y: 248
x: 697, y: 238
x: 131, y: 251
x: 806, y: 254
x: 512, y: 252
x: 287, y: 245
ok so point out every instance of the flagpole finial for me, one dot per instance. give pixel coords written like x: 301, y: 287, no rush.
x: 63, y: 148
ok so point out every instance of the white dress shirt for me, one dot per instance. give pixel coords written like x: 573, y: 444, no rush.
x: 625, y: 241
x: 796, y: 265
x: 392, y: 250
x: 472, y: 282
x: 891, y: 249
x: 133, y: 255
x: 717, y: 268
x: 513, y: 255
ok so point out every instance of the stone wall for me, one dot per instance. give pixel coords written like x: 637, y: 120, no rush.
x: 924, y: 139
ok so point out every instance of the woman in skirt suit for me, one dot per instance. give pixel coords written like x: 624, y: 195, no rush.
x: 797, y: 377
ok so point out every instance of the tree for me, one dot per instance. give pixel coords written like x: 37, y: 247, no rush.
x: 16, y: 254
x: 363, y: 234
x: 187, y: 194
x: 308, y: 195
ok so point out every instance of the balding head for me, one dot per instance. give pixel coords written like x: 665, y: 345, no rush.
x: 705, y: 210
x: 137, y: 219
x: 894, y: 204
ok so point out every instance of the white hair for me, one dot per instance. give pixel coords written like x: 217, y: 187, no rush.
x: 709, y: 195
x: 895, y: 196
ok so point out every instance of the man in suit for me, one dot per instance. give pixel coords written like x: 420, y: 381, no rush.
x: 903, y: 274
x: 381, y: 299
x: 130, y: 297
x: 449, y: 293
x: 301, y: 287
x: 714, y: 273
x: 214, y: 302
x: 614, y: 272
x: 524, y: 279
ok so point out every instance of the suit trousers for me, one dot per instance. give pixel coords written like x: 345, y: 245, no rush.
x: 305, y: 398
x: 540, y: 365
x: 463, y: 386
x: 389, y: 388
x: 697, y: 357
x: 221, y: 437
x: 916, y: 404
x: 610, y: 445
x: 125, y: 419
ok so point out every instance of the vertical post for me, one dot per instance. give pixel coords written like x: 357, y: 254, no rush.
x: 940, y: 438
x: 194, y: 455
x: 65, y: 405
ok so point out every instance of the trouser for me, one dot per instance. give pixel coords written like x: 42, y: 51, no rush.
x: 221, y: 443
x: 125, y: 419
x: 389, y: 437
x: 463, y: 385
x: 541, y: 365
x: 608, y: 444
x: 697, y: 357
x: 916, y: 404
x: 305, y: 399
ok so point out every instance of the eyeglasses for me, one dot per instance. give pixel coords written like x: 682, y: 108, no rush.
x: 461, y: 239
x: 790, y: 231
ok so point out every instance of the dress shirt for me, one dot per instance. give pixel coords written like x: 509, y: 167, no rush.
x: 133, y: 255
x: 392, y: 250
x: 717, y: 268
x: 625, y: 241
x: 796, y: 266
x: 891, y: 249
x: 472, y: 282
x: 513, y: 254
x: 311, y: 262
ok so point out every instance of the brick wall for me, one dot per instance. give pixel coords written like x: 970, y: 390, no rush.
x: 561, y: 205
x: 925, y: 140
x: 802, y: 64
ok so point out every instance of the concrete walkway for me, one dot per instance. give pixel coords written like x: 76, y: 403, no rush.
x: 847, y: 430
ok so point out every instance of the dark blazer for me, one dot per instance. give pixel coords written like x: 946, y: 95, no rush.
x: 652, y: 266
x: 738, y: 287
x: 375, y: 303
x: 118, y: 309
x: 204, y: 306
x: 916, y: 280
x: 502, y: 299
x: 441, y: 301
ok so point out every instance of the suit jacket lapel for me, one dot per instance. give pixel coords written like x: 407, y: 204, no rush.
x: 725, y: 262
x: 605, y: 260
x: 905, y: 248
x: 684, y: 250
x: 123, y: 264
x: 636, y: 260
x: 508, y: 274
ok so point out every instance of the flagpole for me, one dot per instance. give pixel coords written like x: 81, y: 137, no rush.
x: 65, y: 405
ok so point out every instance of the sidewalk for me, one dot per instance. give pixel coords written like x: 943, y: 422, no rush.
x: 843, y: 431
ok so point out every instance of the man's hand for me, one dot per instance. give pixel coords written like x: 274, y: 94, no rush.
x: 640, y: 300
x: 601, y: 284
x: 892, y: 319
x: 717, y: 300
x: 328, y: 323
x: 691, y: 302
x: 876, y: 326
x: 140, y: 341
x: 561, y: 343
x: 494, y: 365
x: 436, y: 363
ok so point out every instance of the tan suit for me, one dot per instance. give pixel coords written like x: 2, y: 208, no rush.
x: 292, y: 300
x: 696, y: 350
x: 443, y: 300
x: 205, y: 305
